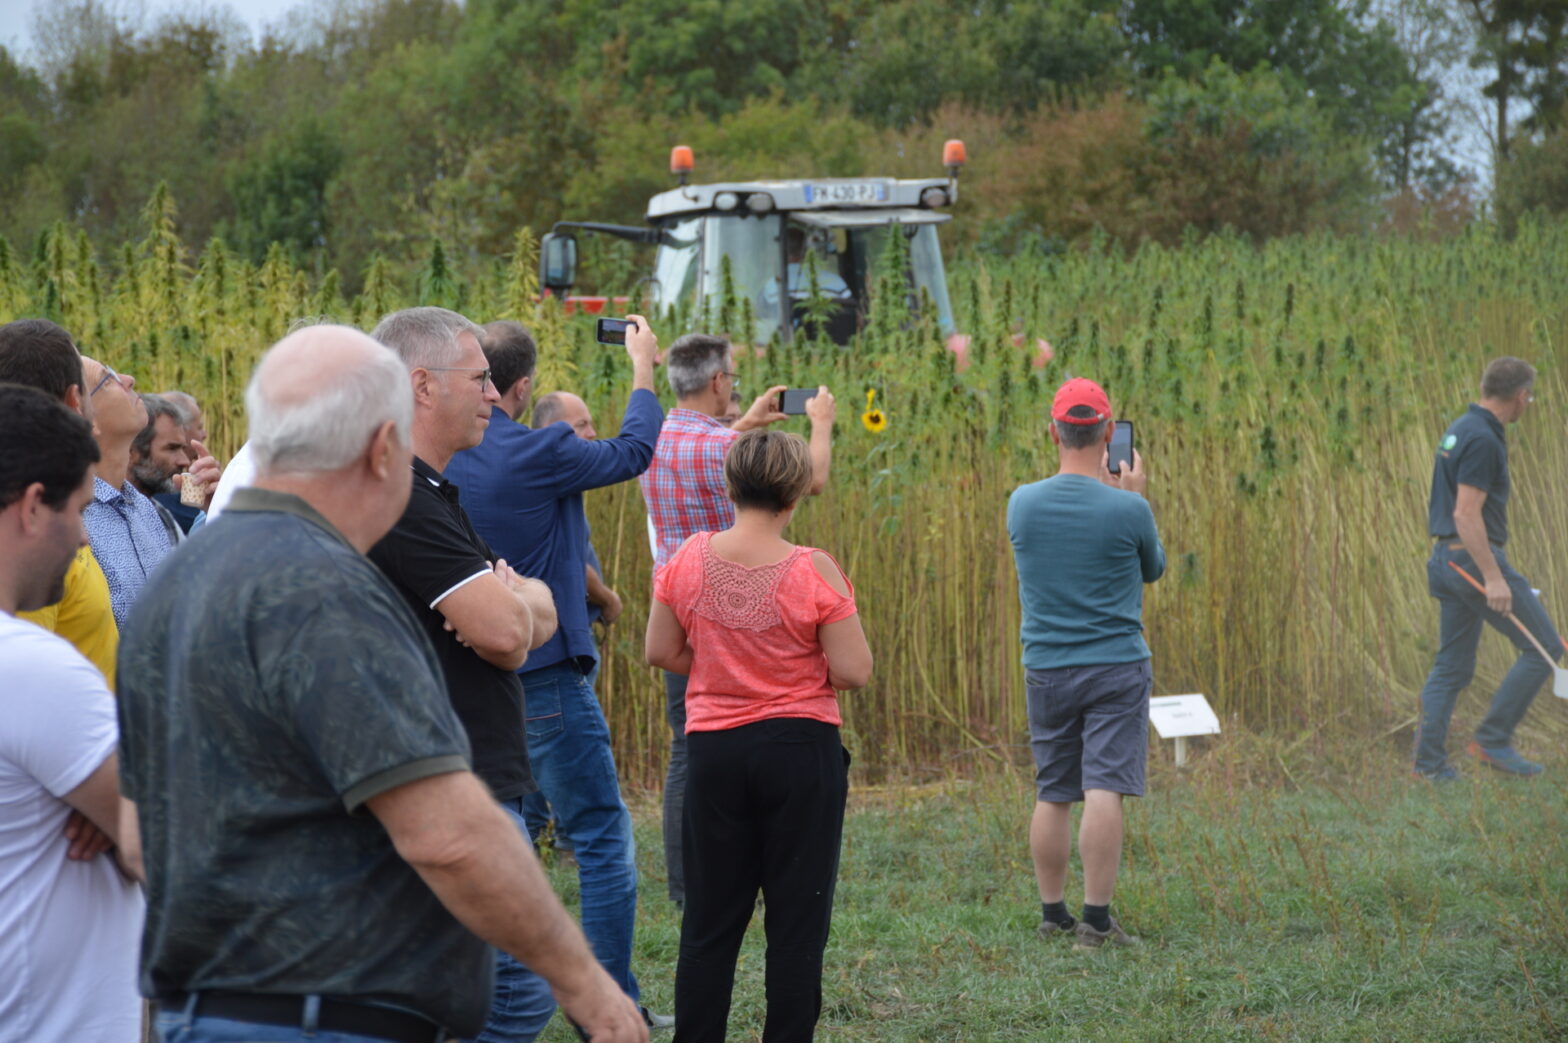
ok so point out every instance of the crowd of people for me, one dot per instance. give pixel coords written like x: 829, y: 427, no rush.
x: 278, y: 737
x: 283, y: 730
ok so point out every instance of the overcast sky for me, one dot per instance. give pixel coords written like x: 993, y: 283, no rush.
x: 16, y: 16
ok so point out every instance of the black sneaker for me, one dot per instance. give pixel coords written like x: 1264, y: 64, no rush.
x: 656, y: 1021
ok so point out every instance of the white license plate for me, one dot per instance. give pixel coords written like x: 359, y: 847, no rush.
x: 827, y: 192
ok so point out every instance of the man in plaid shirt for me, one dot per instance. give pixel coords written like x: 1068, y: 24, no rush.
x: 685, y: 493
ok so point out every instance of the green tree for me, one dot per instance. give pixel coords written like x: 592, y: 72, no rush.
x: 280, y: 194
x: 1524, y: 45
x: 1333, y: 51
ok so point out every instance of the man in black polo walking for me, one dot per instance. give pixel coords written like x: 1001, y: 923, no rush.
x: 1469, y: 519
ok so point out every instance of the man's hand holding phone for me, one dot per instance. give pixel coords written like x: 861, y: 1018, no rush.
x: 642, y: 345
x: 764, y: 411
x: 1131, y: 478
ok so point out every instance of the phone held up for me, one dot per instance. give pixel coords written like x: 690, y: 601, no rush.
x: 793, y: 401
x: 1120, y: 452
x: 613, y: 331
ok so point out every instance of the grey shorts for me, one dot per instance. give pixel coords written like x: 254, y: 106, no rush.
x: 1089, y: 729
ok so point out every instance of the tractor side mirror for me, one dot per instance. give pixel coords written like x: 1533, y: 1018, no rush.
x: 557, y: 262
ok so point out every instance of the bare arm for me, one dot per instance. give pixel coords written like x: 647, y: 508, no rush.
x: 1472, y: 533
x: 536, y: 596
x: 102, y: 820
x: 843, y: 642
x: 665, y: 644
x: 821, y: 409
x: 500, y: 616
x: 643, y: 347
x: 599, y: 593
x: 470, y: 854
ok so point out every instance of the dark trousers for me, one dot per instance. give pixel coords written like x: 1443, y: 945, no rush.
x: 764, y: 810
x: 675, y: 783
x: 1462, y: 612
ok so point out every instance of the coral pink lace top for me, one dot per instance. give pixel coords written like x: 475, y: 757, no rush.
x: 753, y: 635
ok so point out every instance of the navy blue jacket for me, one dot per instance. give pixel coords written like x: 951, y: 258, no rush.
x: 523, y: 490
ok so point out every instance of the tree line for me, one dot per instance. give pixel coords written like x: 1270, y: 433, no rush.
x: 366, y: 128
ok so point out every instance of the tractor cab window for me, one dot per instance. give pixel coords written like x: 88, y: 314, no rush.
x: 756, y: 265
x: 925, y: 262
x: 676, y: 266
x: 868, y: 247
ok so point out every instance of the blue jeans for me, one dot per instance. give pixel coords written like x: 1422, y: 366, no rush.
x: 1462, y: 610
x: 537, y: 813
x: 569, y: 749
x: 522, y: 1004
x: 175, y: 1026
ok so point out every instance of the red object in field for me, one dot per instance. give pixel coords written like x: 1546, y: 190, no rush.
x: 681, y: 159
x: 594, y: 305
x: 954, y: 154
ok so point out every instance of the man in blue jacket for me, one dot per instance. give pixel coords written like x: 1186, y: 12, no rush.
x: 523, y: 491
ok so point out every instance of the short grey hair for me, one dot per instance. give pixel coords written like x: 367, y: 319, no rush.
x: 184, y: 402
x: 330, y: 428
x: 1505, y: 377
x: 1080, y: 436
x: 425, y: 337
x: 157, y: 406
x: 693, y: 360
x: 548, y: 408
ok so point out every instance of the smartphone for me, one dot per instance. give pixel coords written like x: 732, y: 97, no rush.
x: 793, y: 402
x: 1121, y: 447
x: 613, y: 331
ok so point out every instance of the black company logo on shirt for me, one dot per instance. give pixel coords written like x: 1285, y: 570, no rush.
x: 1447, y: 444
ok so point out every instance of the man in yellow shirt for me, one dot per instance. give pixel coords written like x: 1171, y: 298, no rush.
x: 38, y: 354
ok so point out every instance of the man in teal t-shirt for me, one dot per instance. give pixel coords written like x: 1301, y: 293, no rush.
x: 1085, y: 543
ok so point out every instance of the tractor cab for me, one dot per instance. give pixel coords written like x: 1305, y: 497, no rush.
x: 800, y: 252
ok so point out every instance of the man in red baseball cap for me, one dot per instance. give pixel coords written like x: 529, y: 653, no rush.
x: 1085, y: 543
x: 1088, y: 398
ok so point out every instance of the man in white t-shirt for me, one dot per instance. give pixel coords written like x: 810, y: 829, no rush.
x: 240, y: 473
x: 69, y: 928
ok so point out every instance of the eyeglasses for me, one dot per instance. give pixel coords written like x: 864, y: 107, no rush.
x: 483, y: 378
x: 108, y: 375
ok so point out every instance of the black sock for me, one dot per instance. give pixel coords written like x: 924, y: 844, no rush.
x: 1097, y: 916
x: 1056, y: 912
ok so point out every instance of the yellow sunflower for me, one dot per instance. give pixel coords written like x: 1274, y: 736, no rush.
x: 874, y: 419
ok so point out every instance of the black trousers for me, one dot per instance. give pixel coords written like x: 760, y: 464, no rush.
x: 764, y: 811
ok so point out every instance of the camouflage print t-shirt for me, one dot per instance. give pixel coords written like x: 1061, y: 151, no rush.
x: 271, y: 682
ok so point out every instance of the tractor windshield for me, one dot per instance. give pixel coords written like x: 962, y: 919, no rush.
x: 756, y: 266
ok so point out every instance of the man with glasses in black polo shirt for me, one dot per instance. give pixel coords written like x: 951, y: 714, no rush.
x: 482, y: 618
x: 1468, y: 517
x: 319, y: 855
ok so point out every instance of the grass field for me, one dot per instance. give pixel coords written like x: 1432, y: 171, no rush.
x: 1350, y: 905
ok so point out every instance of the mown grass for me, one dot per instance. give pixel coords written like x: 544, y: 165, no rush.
x: 1356, y: 906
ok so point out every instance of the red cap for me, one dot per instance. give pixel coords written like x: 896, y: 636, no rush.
x: 1080, y: 392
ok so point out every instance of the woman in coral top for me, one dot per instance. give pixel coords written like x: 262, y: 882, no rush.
x: 766, y: 631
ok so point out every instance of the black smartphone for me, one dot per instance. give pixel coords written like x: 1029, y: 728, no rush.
x: 613, y: 331
x: 1121, y: 447
x: 793, y: 402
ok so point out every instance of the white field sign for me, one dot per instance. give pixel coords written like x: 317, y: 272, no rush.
x: 1178, y: 716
